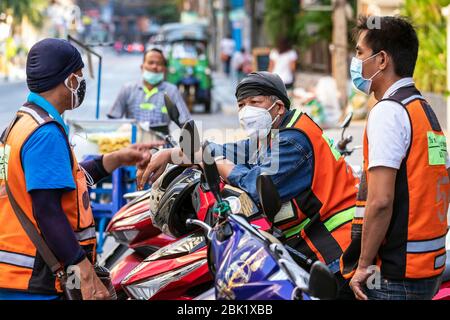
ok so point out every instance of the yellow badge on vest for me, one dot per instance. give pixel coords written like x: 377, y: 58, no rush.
x: 5, y: 152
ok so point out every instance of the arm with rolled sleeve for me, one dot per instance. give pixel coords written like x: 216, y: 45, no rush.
x: 290, y: 165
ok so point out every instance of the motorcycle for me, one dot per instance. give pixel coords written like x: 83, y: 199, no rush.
x: 131, y: 226
x: 183, y: 259
x: 251, y: 264
x: 179, y: 271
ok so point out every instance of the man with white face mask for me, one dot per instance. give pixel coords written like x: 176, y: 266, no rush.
x: 39, y: 173
x: 399, y: 231
x: 311, y: 177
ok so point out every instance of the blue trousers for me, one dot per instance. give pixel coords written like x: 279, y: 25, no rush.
x: 423, y: 289
x: 18, y: 295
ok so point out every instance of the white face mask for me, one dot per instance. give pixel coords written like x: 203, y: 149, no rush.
x: 78, y: 93
x: 256, y: 120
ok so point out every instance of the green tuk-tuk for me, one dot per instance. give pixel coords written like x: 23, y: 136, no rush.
x: 188, y: 65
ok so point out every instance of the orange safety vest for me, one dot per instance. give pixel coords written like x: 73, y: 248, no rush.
x: 414, y: 246
x: 320, y: 224
x: 21, y: 266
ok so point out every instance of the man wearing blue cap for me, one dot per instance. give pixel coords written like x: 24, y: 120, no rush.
x: 41, y: 178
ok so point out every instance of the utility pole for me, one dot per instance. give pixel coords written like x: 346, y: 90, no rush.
x: 214, y: 52
x: 446, y: 13
x: 339, y: 49
x: 251, y: 10
x: 226, y: 18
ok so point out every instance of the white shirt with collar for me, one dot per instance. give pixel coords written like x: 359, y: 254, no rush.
x: 389, y: 131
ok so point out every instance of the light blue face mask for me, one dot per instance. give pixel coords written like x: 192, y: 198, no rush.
x: 356, y: 72
x: 153, y: 77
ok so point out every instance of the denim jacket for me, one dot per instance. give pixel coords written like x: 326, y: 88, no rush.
x: 289, y: 162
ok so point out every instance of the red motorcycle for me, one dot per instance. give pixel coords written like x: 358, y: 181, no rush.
x: 178, y: 270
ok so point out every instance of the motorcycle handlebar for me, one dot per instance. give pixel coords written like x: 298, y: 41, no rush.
x: 201, y: 224
x: 342, y: 145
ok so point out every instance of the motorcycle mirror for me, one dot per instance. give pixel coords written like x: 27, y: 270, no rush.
x: 346, y: 123
x: 347, y: 120
x: 211, y: 173
x: 269, y: 197
x: 189, y: 140
x: 172, y: 109
x: 322, y: 283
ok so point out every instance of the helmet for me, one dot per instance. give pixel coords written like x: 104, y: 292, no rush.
x: 175, y: 205
x: 160, y: 185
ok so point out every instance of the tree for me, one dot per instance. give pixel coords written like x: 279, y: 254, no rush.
x: 32, y: 9
x: 165, y: 11
x: 430, y: 73
x: 279, y: 19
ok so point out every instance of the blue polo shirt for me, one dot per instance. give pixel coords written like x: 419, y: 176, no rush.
x: 46, y: 154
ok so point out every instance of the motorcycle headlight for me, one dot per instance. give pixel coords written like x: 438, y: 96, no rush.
x: 132, y: 220
x: 183, y: 246
x: 147, y: 289
x: 124, y: 236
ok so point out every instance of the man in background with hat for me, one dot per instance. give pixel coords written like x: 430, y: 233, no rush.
x: 311, y: 177
x: 40, y: 177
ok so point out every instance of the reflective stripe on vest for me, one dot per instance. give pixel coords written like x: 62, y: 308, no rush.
x: 16, y: 259
x: 86, y: 234
x: 150, y: 93
x: 359, y: 212
x: 331, y: 224
x: 294, y: 118
x: 33, y: 113
x: 414, y: 97
x: 425, y: 246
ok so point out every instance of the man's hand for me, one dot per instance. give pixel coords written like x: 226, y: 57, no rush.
x: 136, y: 154
x: 358, y: 282
x: 92, y: 287
x: 155, y: 168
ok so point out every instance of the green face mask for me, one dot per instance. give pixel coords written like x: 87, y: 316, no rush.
x: 153, y: 77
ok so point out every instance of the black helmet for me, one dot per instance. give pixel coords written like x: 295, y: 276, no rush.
x: 176, y: 206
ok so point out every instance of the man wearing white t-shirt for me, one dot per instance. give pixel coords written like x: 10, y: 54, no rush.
x: 399, y: 229
x: 283, y: 62
x: 227, y: 47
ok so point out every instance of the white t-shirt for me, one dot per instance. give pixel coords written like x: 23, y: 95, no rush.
x: 227, y: 46
x: 237, y: 60
x: 282, y: 64
x: 389, y: 131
